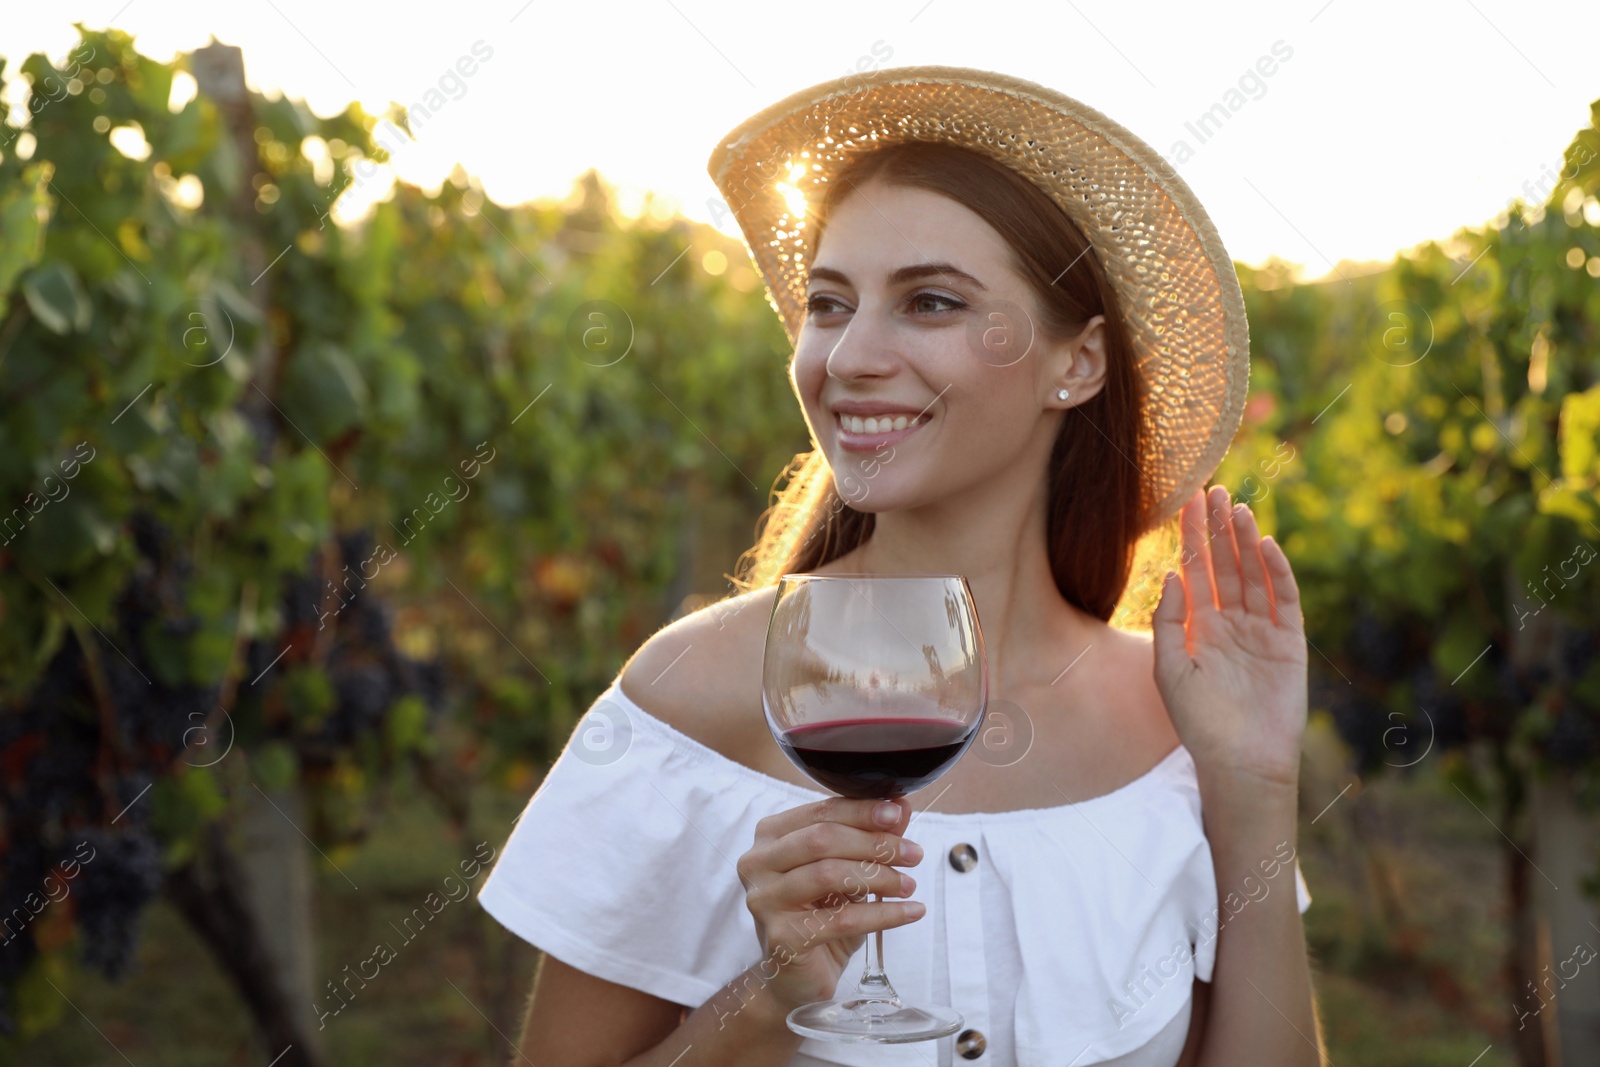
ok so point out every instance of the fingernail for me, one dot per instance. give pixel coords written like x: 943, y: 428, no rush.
x: 911, y: 851
x: 886, y: 813
x: 915, y: 908
x: 907, y: 884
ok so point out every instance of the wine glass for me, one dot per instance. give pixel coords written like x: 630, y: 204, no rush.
x: 874, y: 685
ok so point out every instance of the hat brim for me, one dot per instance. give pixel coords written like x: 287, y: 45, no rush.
x: 1179, y: 293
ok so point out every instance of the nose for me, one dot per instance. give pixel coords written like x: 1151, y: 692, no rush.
x: 864, y: 349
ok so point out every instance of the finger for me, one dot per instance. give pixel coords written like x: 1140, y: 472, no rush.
x: 828, y: 880
x: 855, y: 919
x: 820, y: 840
x: 1166, y: 622
x: 853, y: 879
x: 1224, y: 553
x: 1196, y: 557
x: 1285, y: 591
x: 851, y: 812
x: 901, y: 821
x: 1257, y: 586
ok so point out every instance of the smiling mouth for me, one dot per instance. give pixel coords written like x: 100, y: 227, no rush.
x: 858, y: 425
x: 855, y: 435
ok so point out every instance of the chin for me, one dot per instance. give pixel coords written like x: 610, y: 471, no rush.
x: 867, y: 493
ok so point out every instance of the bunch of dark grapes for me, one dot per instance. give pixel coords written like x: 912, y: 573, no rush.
x: 1576, y: 651
x: 1383, y: 663
x: 1442, y: 704
x: 1377, y: 645
x: 49, y: 748
x: 301, y: 601
x: 68, y: 783
x: 1360, y: 720
x: 154, y: 718
x: 1574, y: 738
x: 118, y: 878
x: 50, y: 742
x: 1516, y: 686
x: 367, y: 671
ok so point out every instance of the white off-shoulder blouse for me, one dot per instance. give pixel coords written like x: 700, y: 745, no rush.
x: 1065, y: 936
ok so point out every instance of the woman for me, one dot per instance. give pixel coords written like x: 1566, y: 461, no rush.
x: 995, y: 388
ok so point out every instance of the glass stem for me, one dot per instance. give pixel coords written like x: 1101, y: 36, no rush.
x: 874, y: 983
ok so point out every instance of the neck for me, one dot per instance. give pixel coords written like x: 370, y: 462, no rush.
x: 995, y: 538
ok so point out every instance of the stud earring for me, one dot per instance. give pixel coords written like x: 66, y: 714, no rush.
x: 1061, y: 394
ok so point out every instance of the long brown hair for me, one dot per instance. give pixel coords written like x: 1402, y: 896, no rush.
x: 1096, y: 497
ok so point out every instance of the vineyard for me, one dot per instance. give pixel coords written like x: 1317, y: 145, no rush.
x: 314, y: 528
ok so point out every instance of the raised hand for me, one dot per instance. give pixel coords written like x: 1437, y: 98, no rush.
x: 1230, y: 649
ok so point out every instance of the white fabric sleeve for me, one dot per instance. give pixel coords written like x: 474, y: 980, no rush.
x: 622, y: 863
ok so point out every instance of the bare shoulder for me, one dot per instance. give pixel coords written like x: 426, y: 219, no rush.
x: 1134, y: 652
x: 1132, y: 677
x: 701, y: 674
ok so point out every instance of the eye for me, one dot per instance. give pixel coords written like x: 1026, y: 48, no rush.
x: 822, y: 304
x: 818, y: 304
x: 921, y: 298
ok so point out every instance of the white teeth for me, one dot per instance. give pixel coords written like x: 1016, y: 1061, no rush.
x: 879, y: 424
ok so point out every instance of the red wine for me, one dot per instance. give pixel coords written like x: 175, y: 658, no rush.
x: 876, y: 757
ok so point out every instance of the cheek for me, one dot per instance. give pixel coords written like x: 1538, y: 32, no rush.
x: 806, y: 378
x: 994, y: 415
x: 806, y: 367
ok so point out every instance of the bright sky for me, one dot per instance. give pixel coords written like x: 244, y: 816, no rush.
x: 1389, y: 123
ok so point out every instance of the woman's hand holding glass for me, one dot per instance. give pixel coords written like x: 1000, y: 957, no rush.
x: 805, y: 877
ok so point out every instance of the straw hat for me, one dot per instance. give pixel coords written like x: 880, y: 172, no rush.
x: 1176, y: 285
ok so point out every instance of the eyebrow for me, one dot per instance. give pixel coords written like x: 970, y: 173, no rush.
x: 904, y: 274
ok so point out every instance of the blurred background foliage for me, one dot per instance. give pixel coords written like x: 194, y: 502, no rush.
x: 538, y: 433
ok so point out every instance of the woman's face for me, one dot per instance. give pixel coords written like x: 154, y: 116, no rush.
x: 914, y: 312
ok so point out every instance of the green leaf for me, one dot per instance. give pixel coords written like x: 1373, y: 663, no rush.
x: 225, y: 165
x: 309, y: 694
x: 274, y: 765
x: 1580, y: 434
x: 151, y: 83
x: 323, y: 393
x: 1567, y: 500
x: 56, y: 298
x: 21, y: 229
x: 175, y: 470
x: 180, y: 805
x: 1460, y: 644
x: 408, y: 725
x: 209, y: 651
x: 167, y: 652
x: 68, y: 536
x: 40, y: 1007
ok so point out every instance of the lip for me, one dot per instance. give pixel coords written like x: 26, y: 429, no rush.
x: 867, y: 442
x: 872, y: 407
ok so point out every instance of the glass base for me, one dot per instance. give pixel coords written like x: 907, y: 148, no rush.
x: 885, y: 1022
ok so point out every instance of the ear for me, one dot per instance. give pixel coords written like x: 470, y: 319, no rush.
x: 1079, y: 363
